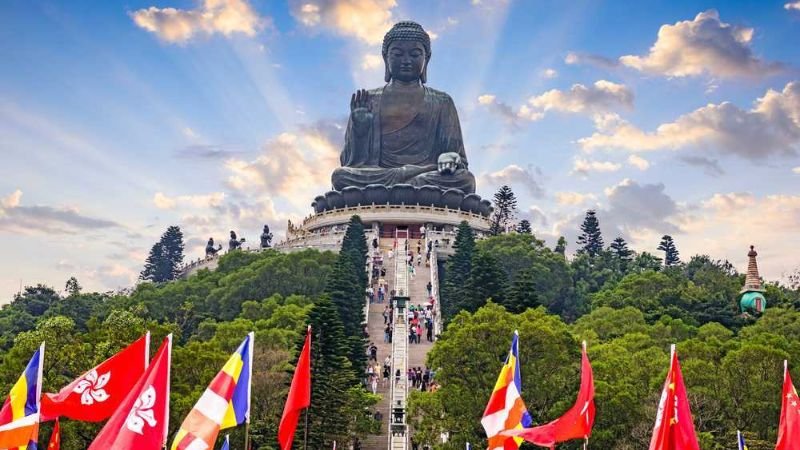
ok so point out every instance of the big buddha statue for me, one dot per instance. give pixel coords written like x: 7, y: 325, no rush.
x: 404, y: 132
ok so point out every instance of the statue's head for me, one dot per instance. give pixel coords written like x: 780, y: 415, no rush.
x: 406, y: 52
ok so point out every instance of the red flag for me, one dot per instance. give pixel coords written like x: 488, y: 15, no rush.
x: 55, y: 438
x: 95, y: 395
x: 576, y: 423
x: 142, y: 420
x: 299, y: 396
x: 674, y: 428
x: 789, y: 429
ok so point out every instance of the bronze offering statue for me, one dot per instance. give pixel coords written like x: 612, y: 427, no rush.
x: 404, y: 132
x: 266, y: 237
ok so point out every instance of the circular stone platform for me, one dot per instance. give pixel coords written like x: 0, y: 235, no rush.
x: 325, y: 230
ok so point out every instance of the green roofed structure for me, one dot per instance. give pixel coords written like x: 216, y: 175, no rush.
x: 753, y: 300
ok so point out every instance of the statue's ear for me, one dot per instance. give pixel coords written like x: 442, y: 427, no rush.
x: 424, y: 75
x: 387, y: 76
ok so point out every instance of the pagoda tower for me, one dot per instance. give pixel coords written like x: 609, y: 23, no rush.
x: 752, y: 293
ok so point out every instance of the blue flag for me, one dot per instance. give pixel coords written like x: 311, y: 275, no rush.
x: 225, y: 445
x: 742, y: 445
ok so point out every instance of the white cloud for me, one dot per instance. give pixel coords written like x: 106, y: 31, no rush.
x: 574, y: 58
x: 601, y: 96
x: 370, y: 61
x: 214, y: 199
x: 638, y: 162
x: 507, y: 113
x: 189, y: 133
x: 16, y: 218
x: 792, y: 6
x: 487, y: 99
x: 211, y: 17
x: 12, y: 200
x: 573, y: 198
x: 514, y: 176
x: 796, y: 170
x: 584, y: 167
x: 710, y: 166
x: 640, y: 209
x: 365, y: 20
x: 296, y: 165
x: 549, y: 73
x: 113, y: 276
x: 771, y: 127
x: 598, y: 98
x: 704, y: 45
x: 725, y: 226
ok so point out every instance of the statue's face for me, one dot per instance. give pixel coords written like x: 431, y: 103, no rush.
x: 406, y: 59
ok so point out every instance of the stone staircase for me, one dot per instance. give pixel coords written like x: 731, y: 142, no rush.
x: 403, y: 353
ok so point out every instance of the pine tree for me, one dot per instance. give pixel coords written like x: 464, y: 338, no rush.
x: 333, y: 376
x: 343, y: 286
x: 72, y: 287
x: 486, y: 280
x: 165, y: 258
x: 619, y: 248
x: 522, y: 293
x: 561, y: 246
x: 505, y: 209
x: 172, y: 240
x: 354, y: 244
x: 671, y: 255
x: 524, y: 227
x: 156, y: 266
x: 354, y: 239
x: 457, y: 270
x: 590, y: 240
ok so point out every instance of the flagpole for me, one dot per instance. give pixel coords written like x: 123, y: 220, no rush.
x: 739, y: 439
x: 305, y: 432
x: 247, y: 435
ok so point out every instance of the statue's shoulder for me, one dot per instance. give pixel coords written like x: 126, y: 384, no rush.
x: 438, y: 95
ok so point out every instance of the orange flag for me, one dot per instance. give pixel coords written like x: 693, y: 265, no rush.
x: 299, y: 396
x: 674, y: 428
x: 576, y: 423
x: 55, y: 438
x: 789, y: 429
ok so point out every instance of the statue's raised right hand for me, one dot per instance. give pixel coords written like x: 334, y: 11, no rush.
x: 361, y: 108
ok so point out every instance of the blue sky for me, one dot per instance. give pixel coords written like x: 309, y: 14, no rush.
x: 118, y: 119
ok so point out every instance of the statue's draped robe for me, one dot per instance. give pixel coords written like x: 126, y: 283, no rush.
x: 408, y: 154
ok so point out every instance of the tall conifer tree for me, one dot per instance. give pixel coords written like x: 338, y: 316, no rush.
x: 671, y: 255
x: 486, y: 280
x: 590, y: 240
x: 165, y: 258
x: 457, y: 270
x: 524, y: 227
x: 505, y: 209
x: 332, y: 374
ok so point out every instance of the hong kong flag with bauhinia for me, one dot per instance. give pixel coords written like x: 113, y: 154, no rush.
x: 789, y: 428
x: 142, y: 420
x: 95, y: 395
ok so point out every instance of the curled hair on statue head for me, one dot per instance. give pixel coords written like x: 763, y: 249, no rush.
x: 406, y: 31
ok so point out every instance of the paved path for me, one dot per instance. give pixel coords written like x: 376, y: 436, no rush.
x: 416, y: 352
